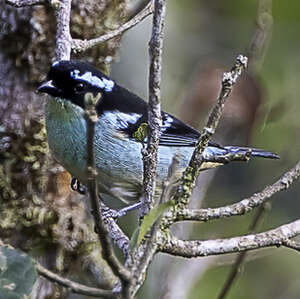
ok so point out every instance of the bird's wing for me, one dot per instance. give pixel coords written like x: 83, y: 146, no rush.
x: 173, y: 131
x: 132, y: 114
x: 176, y: 133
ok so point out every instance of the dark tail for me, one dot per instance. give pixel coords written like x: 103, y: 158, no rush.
x: 254, y: 152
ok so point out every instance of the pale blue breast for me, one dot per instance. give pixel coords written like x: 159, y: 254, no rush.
x: 118, y: 159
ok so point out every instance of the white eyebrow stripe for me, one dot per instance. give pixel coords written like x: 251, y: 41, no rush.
x: 88, y: 77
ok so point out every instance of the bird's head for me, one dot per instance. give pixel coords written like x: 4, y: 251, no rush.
x: 71, y: 80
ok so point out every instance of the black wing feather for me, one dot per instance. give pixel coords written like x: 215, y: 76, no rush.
x: 174, y: 132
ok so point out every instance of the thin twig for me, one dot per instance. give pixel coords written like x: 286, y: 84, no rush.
x: 191, y: 173
x: 79, y: 45
x: 73, y: 286
x: 191, y: 249
x: 107, y: 250
x: 256, y: 53
x: 244, y: 206
x: 149, y: 247
x: 189, y: 176
x: 154, y: 110
x: 241, y: 257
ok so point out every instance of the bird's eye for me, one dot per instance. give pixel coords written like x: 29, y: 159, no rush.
x: 79, y: 87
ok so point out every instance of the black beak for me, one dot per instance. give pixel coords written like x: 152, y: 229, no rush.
x: 48, y: 87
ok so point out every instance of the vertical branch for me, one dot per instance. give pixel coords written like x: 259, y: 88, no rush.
x: 154, y: 112
x: 102, y: 232
x: 145, y: 252
x: 63, y: 37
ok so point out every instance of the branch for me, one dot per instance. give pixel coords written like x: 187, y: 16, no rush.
x: 79, y: 45
x: 189, y: 249
x: 291, y: 244
x: 62, y: 11
x: 256, y: 52
x: 189, y: 176
x: 73, y: 286
x: 107, y: 250
x: 143, y: 255
x: 154, y: 110
x: 191, y: 173
x: 244, y: 206
x: 115, y: 232
x: 241, y: 256
x: 23, y: 3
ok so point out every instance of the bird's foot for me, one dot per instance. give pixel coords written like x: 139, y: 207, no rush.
x: 115, y: 214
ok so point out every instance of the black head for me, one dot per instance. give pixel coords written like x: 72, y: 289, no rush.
x: 71, y: 80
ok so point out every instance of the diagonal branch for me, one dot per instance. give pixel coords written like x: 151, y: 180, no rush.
x: 191, y: 173
x: 244, y: 206
x: 73, y: 286
x: 79, y: 45
x: 115, y: 232
x: 190, y: 249
x: 154, y: 110
x: 189, y: 176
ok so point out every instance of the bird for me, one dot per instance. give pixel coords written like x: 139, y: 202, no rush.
x: 121, y: 115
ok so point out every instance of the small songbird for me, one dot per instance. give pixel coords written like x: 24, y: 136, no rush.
x: 117, y: 146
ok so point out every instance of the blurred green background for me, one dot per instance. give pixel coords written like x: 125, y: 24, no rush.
x: 200, y: 31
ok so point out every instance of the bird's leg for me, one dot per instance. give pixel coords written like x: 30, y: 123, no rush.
x: 108, y: 212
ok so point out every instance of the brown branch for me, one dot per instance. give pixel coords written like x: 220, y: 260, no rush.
x: 73, y: 286
x: 79, y: 45
x: 62, y: 11
x: 23, y: 3
x: 244, y: 206
x: 241, y: 257
x: 107, y: 250
x: 190, y: 249
x: 154, y: 110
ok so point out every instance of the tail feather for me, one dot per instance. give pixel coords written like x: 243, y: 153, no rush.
x: 254, y: 152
